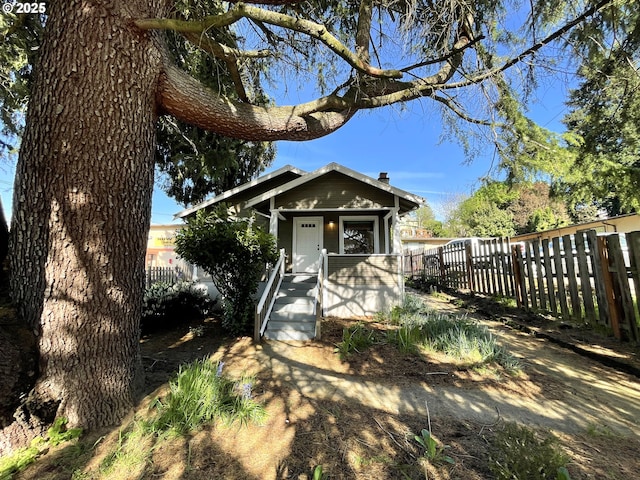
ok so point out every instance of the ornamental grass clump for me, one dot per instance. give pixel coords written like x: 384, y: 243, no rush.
x: 466, y: 340
x: 454, y: 335
x: 201, y: 394
x: 355, y: 338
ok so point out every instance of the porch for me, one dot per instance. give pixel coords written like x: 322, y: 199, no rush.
x: 346, y: 286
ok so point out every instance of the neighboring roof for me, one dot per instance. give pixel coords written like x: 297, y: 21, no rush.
x: 604, y: 222
x: 287, y: 169
x: 334, y: 167
x: 302, y: 178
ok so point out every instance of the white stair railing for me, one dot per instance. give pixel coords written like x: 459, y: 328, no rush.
x: 319, y: 303
x: 268, y: 298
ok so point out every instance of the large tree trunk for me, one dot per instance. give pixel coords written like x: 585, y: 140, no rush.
x: 82, y: 205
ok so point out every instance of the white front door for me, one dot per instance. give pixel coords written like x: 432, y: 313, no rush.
x: 307, y: 244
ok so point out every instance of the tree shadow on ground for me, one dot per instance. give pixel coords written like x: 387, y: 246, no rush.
x: 356, y: 419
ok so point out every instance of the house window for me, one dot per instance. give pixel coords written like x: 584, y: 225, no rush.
x: 359, y: 235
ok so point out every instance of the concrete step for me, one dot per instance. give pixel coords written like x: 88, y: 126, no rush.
x: 293, y: 318
x: 304, y: 328
x: 289, y: 335
x: 295, y: 305
x: 295, y: 290
x: 307, y: 323
x: 297, y: 300
x: 300, y: 278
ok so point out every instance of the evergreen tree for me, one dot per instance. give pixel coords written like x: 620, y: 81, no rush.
x: 82, y: 198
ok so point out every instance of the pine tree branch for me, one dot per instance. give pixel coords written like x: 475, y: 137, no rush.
x: 533, y: 49
x: 216, y: 49
x: 240, y: 10
x: 454, y: 108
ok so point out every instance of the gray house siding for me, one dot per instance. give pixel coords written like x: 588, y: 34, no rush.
x: 331, y: 232
x: 362, y: 285
x: 334, y: 190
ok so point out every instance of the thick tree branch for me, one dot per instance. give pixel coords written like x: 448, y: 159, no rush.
x: 395, y: 92
x: 240, y: 10
x: 215, y: 49
x: 185, y: 98
x: 363, y: 33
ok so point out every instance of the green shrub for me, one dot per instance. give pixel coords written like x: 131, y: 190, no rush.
x: 166, y: 304
x: 200, y: 394
x: 516, y: 453
x: 234, y: 252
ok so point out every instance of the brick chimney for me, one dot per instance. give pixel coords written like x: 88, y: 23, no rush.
x: 384, y: 178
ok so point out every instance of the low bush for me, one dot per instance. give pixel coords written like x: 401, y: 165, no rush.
x: 517, y: 453
x: 166, y: 304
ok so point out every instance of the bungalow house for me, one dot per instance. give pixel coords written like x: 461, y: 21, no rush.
x: 339, y: 234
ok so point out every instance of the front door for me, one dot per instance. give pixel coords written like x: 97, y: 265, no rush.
x: 307, y: 244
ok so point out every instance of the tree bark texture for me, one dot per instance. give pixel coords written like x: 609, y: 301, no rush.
x: 82, y: 204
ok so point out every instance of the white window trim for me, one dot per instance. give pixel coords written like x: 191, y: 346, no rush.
x: 360, y: 218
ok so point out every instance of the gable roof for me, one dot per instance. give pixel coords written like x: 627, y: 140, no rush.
x: 411, y: 200
x: 280, y: 172
x: 335, y: 167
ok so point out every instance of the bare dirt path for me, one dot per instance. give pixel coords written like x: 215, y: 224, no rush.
x: 566, y: 392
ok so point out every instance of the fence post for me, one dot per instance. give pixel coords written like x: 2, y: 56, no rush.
x: 598, y: 280
x: 633, y: 244
x: 256, y: 325
x: 469, y: 261
x: 441, y: 265
x: 411, y: 263
x: 518, y: 280
x: 607, y: 283
x: 622, y: 287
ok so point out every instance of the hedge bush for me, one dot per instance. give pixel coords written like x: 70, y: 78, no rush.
x: 166, y: 304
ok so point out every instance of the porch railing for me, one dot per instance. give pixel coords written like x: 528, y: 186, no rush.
x: 268, y: 298
x: 319, y: 300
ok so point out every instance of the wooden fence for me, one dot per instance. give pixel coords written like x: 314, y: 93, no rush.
x: 477, y: 265
x: 585, y: 276
x: 169, y: 275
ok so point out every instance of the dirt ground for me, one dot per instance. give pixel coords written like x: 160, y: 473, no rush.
x: 357, y: 418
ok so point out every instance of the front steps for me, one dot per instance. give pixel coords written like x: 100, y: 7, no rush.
x: 293, y: 317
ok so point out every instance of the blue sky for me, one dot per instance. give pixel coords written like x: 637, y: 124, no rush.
x: 405, y: 143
